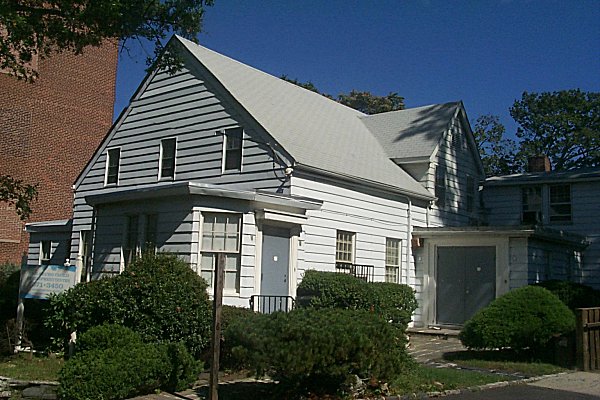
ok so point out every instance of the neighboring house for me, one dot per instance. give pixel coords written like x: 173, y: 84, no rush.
x: 49, y: 129
x: 223, y: 158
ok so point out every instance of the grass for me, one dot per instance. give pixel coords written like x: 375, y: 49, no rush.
x: 36, y: 368
x: 430, y: 379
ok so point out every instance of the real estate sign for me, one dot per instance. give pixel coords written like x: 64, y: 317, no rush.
x: 39, y: 281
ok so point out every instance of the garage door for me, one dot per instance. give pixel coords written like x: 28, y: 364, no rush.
x: 465, y: 282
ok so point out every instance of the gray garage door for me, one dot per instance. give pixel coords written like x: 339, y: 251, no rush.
x: 466, y: 282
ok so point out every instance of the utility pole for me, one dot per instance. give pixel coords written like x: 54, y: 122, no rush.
x: 219, y: 278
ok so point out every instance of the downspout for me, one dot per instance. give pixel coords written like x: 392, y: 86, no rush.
x: 408, y: 237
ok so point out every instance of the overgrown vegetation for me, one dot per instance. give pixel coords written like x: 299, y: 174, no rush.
x: 573, y: 295
x: 159, y: 297
x: 112, y: 362
x: 523, y: 319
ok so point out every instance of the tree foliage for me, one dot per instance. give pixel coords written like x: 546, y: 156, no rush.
x: 365, y: 102
x: 44, y: 27
x: 19, y: 194
x: 498, y: 153
x: 563, y: 125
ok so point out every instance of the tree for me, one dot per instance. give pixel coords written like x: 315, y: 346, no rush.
x: 498, y: 153
x: 44, y: 27
x: 563, y: 125
x: 17, y: 193
x: 362, y: 101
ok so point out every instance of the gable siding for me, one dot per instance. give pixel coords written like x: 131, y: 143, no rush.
x: 457, y: 158
x: 190, y: 107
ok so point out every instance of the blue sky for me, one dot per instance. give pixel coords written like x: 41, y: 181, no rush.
x: 485, y: 53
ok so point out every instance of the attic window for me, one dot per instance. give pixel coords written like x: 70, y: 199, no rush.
x: 232, y: 154
x: 167, y: 158
x: 440, y: 186
x: 112, y: 166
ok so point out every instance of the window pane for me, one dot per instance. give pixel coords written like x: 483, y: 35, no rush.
x: 112, y: 170
x: 168, y: 158
x: 233, y: 149
x: 344, y: 247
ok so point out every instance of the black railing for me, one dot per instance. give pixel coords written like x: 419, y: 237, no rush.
x: 364, y: 272
x: 266, y: 304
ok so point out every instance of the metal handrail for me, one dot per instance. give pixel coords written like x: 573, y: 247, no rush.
x: 361, y: 271
x: 267, y: 304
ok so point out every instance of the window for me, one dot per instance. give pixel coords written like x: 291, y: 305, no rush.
x: 85, y: 238
x: 150, y: 233
x: 471, y: 191
x: 221, y: 233
x: 392, y: 260
x: 130, y: 250
x: 560, y: 203
x: 440, y: 186
x: 233, y: 149
x: 167, y: 158
x: 112, y: 166
x: 45, y: 251
x: 532, y: 205
x: 344, y: 251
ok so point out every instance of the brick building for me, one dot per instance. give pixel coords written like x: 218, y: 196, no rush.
x: 48, y: 131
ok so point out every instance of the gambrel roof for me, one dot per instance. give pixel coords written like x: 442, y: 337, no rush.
x: 316, y: 131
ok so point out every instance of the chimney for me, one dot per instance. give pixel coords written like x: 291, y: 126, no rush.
x: 539, y: 163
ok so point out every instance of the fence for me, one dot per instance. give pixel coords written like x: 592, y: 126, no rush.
x: 588, y: 338
x: 267, y: 304
x: 364, y: 272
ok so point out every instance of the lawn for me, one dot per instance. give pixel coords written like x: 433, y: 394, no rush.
x: 24, y: 367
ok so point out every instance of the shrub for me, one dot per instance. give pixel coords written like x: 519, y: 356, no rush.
x: 574, y: 295
x: 112, y: 362
x: 395, y: 303
x: 524, y: 318
x: 317, y: 350
x: 159, y: 297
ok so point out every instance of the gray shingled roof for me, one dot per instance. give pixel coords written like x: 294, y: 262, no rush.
x: 315, y: 131
x: 411, y: 133
x: 581, y: 174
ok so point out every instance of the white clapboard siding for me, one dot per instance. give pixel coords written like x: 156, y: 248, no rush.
x: 193, y: 109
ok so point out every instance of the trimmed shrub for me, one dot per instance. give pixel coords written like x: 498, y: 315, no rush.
x: 395, y: 303
x: 159, y: 297
x: 574, y: 295
x: 112, y: 362
x: 524, y: 318
x: 317, y: 350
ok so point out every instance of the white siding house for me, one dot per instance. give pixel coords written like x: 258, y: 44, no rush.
x: 223, y: 158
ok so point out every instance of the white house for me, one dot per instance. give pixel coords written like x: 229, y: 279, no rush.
x: 223, y: 158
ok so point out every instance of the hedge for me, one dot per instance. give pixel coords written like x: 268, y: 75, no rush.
x: 523, y: 319
x: 574, y: 295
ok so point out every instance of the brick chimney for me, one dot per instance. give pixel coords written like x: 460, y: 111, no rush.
x: 539, y: 163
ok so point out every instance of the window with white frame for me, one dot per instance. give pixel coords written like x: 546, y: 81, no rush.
x: 167, y: 158
x: 130, y: 248
x: 221, y: 233
x: 344, y: 248
x: 531, y: 205
x: 232, y: 154
x: 150, y: 233
x: 392, y: 260
x: 440, y: 185
x: 560, y: 203
x: 113, y: 159
x: 45, y: 252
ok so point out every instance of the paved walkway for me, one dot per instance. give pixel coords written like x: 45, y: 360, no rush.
x: 430, y: 348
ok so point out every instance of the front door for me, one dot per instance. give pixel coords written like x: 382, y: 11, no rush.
x: 466, y: 282
x: 275, y: 269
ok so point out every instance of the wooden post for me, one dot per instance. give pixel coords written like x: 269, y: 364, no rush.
x: 219, y: 279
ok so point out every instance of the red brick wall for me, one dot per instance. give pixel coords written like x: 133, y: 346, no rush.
x: 50, y: 129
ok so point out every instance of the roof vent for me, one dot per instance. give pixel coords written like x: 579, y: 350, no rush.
x: 539, y: 163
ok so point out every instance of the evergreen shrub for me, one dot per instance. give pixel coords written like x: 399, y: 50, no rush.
x: 158, y: 296
x: 394, y: 302
x: 574, y: 295
x: 523, y: 319
x: 317, y: 350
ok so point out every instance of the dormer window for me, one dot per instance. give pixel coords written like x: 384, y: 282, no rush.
x: 232, y: 149
x: 112, y: 166
x: 167, y: 158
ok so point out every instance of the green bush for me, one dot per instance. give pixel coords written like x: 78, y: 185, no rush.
x: 574, y: 295
x: 395, y: 303
x: 317, y: 350
x: 524, y: 318
x: 112, y: 362
x: 160, y: 297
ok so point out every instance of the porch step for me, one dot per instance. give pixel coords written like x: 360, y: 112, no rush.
x: 434, y: 331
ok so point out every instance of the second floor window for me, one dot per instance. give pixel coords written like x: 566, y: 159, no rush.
x: 532, y: 205
x: 344, y: 251
x: 112, y: 166
x: 560, y: 203
x: 45, y: 252
x: 233, y: 149
x: 167, y: 158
